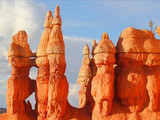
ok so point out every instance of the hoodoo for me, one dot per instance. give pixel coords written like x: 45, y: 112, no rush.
x: 102, y: 86
x: 58, y: 85
x: 19, y: 86
x: 84, y: 77
x: 117, y: 83
x: 42, y: 80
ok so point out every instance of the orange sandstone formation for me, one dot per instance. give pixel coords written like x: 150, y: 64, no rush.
x: 136, y: 77
x: 19, y: 86
x: 42, y: 81
x: 102, y: 86
x: 138, y: 69
x: 58, y: 85
x: 158, y: 30
x: 84, y: 77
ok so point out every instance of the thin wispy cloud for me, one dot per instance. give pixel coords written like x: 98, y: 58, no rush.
x: 77, y: 23
x: 77, y: 39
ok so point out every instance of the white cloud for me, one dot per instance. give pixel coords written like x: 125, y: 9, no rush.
x: 18, y: 15
x: 74, y: 94
x: 77, y: 39
x: 73, y: 90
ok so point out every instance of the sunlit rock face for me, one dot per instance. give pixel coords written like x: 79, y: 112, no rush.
x: 117, y: 83
x: 102, y: 86
x: 42, y: 62
x: 138, y: 68
x: 20, y: 86
x: 137, y: 72
x: 58, y: 84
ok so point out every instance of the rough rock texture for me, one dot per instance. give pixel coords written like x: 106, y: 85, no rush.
x: 42, y: 80
x: 84, y: 77
x: 58, y: 85
x: 102, y: 86
x: 127, y: 90
x: 137, y: 71
x: 19, y: 86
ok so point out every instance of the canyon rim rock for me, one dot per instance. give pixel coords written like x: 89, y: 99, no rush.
x: 102, y: 85
x: 121, y: 83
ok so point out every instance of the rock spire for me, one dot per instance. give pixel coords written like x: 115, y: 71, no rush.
x: 102, y: 85
x: 84, y: 76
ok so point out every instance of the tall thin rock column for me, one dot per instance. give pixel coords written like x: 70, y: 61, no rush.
x: 58, y: 85
x: 102, y: 85
x: 84, y: 76
x: 42, y: 62
x: 19, y: 86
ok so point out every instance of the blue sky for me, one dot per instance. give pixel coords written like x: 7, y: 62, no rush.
x: 82, y: 22
x: 91, y: 18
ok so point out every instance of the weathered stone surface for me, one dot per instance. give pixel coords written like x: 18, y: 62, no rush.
x: 102, y: 86
x: 105, y: 45
x: 20, y: 47
x: 137, y: 72
x: 92, y: 63
x: 42, y: 80
x: 137, y: 41
x: 48, y: 21
x: 19, y: 86
x: 84, y: 77
x: 56, y: 43
x: 58, y: 84
x: 42, y: 48
x: 57, y: 18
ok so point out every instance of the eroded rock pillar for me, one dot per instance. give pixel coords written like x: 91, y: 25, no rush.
x: 42, y: 62
x: 102, y: 86
x: 84, y: 77
x: 19, y: 86
x: 58, y: 85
